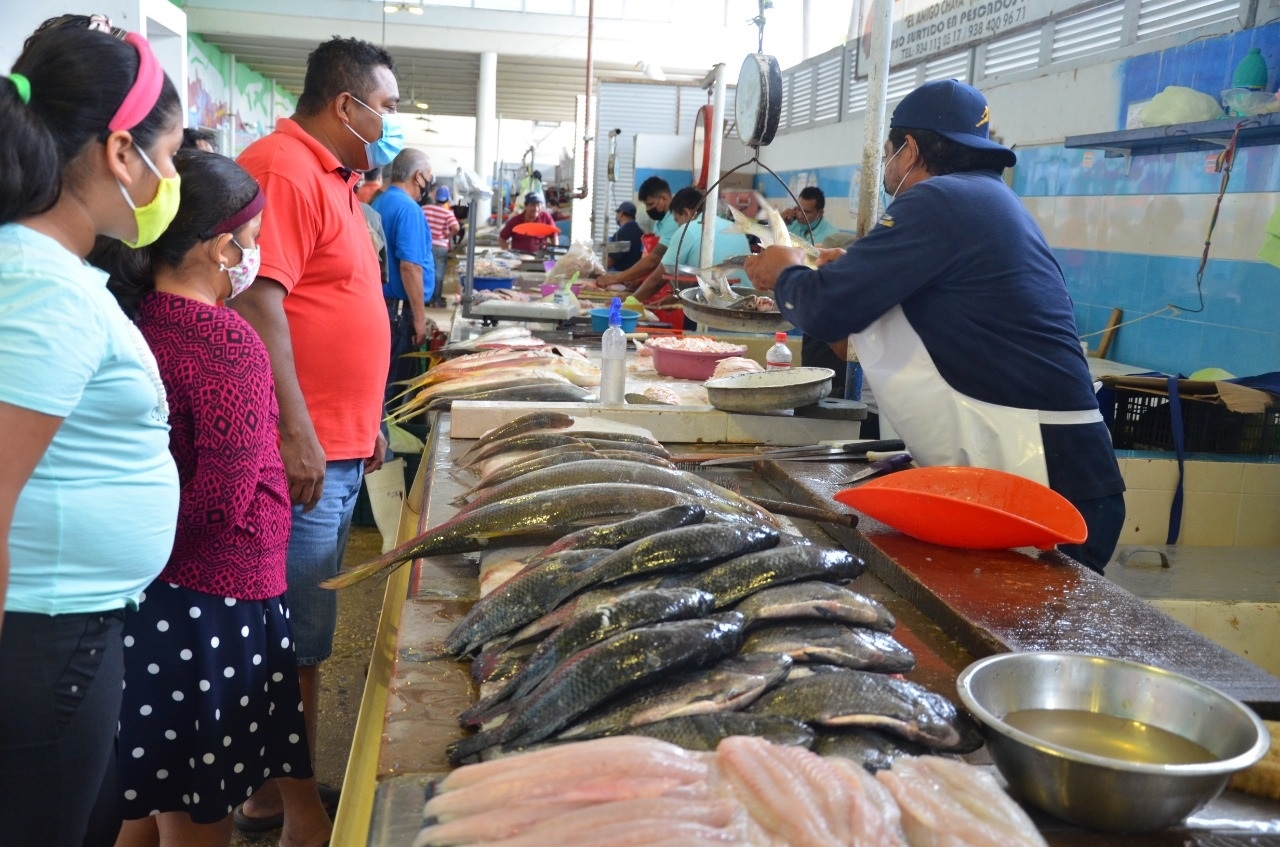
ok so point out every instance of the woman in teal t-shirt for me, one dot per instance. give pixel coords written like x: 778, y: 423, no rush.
x: 88, y: 490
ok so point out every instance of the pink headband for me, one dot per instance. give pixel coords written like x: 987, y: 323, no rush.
x: 242, y: 217
x: 145, y: 91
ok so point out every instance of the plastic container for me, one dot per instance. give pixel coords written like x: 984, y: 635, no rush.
x: 688, y: 364
x: 491, y: 283
x: 600, y: 319
x: 1251, y: 73
x: 976, y: 508
x: 549, y: 288
x: 613, y: 358
x: 779, y: 355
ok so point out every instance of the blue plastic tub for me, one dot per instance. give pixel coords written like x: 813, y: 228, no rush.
x: 489, y: 283
x: 600, y: 320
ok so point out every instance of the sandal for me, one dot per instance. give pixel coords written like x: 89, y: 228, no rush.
x: 329, y: 797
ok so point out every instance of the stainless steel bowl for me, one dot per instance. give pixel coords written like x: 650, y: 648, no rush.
x: 788, y: 388
x: 1095, y: 791
x: 734, y: 320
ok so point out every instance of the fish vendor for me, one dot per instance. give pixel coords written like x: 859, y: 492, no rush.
x: 960, y: 315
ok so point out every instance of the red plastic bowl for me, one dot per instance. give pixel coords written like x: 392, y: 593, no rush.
x: 685, y: 364
x: 978, y: 508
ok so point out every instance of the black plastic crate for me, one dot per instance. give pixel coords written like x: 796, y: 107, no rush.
x: 1143, y: 421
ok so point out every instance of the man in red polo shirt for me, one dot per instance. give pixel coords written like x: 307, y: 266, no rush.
x: 317, y: 303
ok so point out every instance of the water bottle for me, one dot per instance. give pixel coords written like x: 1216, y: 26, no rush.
x: 779, y: 355
x: 613, y: 358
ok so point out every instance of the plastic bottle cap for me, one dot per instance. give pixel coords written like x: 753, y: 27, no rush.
x: 780, y: 337
x: 615, y: 312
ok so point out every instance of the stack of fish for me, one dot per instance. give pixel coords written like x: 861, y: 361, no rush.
x: 509, y: 364
x: 637, y: 791
x: 691, y: 618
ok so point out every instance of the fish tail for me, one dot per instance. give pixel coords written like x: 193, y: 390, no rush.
x: 486, y: 709
x: 352, y: 576
x: 468, y: 749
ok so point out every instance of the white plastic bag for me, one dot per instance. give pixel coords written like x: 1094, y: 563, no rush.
x: 578, y: 258
x: 1179, y: 105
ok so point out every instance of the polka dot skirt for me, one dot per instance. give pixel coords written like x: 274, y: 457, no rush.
x: 211, y: 703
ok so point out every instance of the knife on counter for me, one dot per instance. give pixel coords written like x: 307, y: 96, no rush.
x: 880, y: 463
x: 848, y: 451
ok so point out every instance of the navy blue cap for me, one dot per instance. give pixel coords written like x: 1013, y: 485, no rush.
x: 952, y: 109
x: 626, y: 207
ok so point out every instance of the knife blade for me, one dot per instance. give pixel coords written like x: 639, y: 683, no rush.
x: 849, y: 451
x: 881, y: 463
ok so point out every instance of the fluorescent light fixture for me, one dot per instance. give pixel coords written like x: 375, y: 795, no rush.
x: 421, y: 105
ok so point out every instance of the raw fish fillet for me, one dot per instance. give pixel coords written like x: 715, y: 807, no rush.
x: 947, y: 803
x: 783, y: 805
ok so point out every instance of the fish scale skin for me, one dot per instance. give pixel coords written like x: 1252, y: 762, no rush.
x: 729, y: 686
x: 622, y: 533
x: 685, y: 548
x: 606, y: 670
x: 860, y: 698
x: 635, y: 609
x: 820, y: 600
x: 541, y: 419
x: 745, y: 575
x: 705, y: 732
x: 717, y: 499
x: 523, y: 598
x: 832, y: 643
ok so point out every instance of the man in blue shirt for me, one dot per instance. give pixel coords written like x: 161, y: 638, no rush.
x: 411, y: 276
x: 683, y: 245
x: 960, y: 316
x: 808, y: 219
x: 626, y: 239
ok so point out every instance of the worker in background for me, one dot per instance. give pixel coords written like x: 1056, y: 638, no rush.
x: 683, y: 245
x: 808, y: 219
x: 532, y: 212
x: 626, y: 241
x: 373, y: 222
x: 655, y: 194
x: 317, y: 306
x: 960, y: 316
x: 369, y: 184
x: 442, y: 225
x: 200, y: 139
x: 411, y: 274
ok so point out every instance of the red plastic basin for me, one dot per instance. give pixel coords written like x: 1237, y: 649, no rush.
x: 977, y: 508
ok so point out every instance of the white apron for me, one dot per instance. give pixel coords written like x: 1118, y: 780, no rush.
x: 940, y: 425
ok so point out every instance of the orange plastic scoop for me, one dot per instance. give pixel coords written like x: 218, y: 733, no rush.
x: 978, y: 508
x: 535, y: 229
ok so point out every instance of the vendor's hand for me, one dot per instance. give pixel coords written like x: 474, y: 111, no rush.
x: 375, y: 461
x: 763, y: 269
x: 419, y: 330
x: 789, y: 215
x: 829, y: 254
x: 605, y: 280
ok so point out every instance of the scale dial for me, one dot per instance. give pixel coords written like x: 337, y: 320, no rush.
x: 758, y: 99
x: 702, y: 147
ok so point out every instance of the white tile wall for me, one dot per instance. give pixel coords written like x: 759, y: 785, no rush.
x: 1225, y: 503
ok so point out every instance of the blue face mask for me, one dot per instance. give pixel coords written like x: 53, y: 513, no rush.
x: 888, y: 196
x: 386, y: 147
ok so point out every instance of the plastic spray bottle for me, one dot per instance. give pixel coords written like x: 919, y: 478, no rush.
x: 613, y: 358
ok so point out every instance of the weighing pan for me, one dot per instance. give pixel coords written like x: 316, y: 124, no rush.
x: 769, y: 390
x: 977, y: 508
x: 735, y: 320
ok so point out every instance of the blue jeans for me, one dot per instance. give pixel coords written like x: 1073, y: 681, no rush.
x: 316, y: 545
x: 1104, y: 516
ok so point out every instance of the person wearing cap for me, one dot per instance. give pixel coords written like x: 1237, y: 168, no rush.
x: 627, y: 248
x: 655, y: 194
x: 532, y: 212
x: 88, y: 489
x: 443, y: 225
x: 960, y: 315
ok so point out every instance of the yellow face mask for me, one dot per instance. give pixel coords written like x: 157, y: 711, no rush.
x: 154, y: 218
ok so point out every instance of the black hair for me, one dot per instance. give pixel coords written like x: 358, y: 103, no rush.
x: 373, y: 175
x: 79, y: 77
x: 191, y: 137
x: 652, y: 187
x: 213, y: 189
x: 815, y: 194
x: 338, y: 65
x: 944, y: 156
x: 687, y: 199
x: 537, y: 174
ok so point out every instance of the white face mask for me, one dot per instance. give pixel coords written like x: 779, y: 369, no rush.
x: 894, y: 193
x: 243, y: 274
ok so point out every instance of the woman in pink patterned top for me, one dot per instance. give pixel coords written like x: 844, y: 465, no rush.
x: 211, y: 702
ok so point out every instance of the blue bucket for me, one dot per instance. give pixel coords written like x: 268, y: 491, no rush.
x: 489, y: 283
x: 600, y: 320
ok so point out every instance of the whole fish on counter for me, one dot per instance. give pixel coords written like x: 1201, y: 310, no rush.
x: 731, y: 685
x: 872, y: 749
x: 545, y: 514
x: 523, y: 598
x: 818, y: 600
x: 862, y: 699
x: 834, y: 644
x: 537, y: 390
x: 561, y: 456
x: 705, y: 732
x: 494, y: 339
x: 529, y: 422
x: 745, y: 575
x: 631, y: 610
x: 621, y: 533
x: 533, y: 441
x: 607, y: 670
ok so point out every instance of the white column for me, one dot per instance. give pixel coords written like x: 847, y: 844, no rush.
x: 874, y: 122
x: 486, y: 113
